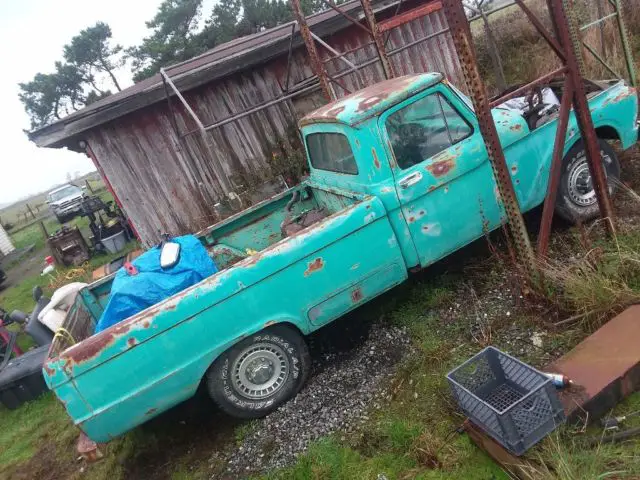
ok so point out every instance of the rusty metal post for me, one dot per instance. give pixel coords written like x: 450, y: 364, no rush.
x: 583, y: 114
x: 461, y: 34
x: 556, y: 168
x: 314, y: 58
x: 574, y: 34
x: 377, y: 38
x: 626, y: 45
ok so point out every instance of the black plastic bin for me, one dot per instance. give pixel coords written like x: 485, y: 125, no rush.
x: 514, y: 403
x: 21, y: 380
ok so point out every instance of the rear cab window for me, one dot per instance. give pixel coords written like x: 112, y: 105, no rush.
x: 331, y: 152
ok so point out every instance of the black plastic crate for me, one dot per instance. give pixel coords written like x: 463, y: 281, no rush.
x: 21, y: 380
x: 512, y: 402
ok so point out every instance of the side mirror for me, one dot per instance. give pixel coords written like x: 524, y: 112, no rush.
x: 37, y: 293
x: 169, y: 255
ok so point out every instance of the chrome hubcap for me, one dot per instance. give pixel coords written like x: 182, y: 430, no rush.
x: 260, y: 370
x: 580, y: 189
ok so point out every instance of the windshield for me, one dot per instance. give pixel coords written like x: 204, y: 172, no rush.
x: 65, y: 192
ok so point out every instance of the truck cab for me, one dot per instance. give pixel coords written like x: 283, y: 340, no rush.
x: 414, y: 142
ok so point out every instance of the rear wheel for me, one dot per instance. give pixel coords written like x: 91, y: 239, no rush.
x: 577, y: 200
x: 260, y: 373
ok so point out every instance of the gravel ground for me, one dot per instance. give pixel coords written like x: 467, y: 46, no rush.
x: 343, y: 388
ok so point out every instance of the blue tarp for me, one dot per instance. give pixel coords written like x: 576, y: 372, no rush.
x: 131, y: 294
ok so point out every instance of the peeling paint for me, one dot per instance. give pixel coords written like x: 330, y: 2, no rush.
x: 441, y: 167
x: 355, y: 266
x: 369, y: 217
x: 514, y: 169
x: 432, y: 229
x: 315, y: 266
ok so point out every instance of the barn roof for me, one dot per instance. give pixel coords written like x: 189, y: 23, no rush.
x: 237, y: 55
x: 372, y: 100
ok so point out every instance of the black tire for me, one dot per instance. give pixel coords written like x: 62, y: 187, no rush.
x: 61, y: 219
x: 576, y: 200
x: 228, y: 377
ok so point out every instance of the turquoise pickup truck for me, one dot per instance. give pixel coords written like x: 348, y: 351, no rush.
x: 399, y: 178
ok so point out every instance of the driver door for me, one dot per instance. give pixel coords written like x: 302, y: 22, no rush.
x: 443, y: 178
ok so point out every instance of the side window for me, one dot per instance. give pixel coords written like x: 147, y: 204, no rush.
x: 425, y: 128
x: 332, y: 152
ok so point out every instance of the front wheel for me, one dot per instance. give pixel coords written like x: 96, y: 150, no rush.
x: 577, y: 200
x: 260, y: 373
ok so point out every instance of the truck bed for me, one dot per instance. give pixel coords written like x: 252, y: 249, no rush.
x: 270, y: 272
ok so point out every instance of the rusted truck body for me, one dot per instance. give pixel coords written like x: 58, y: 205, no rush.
x: 399, y: 178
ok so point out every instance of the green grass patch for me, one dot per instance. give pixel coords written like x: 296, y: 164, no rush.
x: 24, y: 431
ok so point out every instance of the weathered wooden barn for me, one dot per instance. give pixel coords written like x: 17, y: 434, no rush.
x: 164, y: 175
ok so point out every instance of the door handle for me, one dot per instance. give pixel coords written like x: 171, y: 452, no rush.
x: 410, y: 180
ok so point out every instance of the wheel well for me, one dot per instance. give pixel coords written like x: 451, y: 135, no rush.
x: 607, y: 133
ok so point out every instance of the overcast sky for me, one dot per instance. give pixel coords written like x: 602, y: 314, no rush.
x: 32, y: 33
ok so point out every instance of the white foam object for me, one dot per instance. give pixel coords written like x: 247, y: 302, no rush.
x: 53, y: 315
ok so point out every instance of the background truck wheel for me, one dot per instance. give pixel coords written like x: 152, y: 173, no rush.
x: 61, y: 219
x: 576, y: 200
x: 260, y: 373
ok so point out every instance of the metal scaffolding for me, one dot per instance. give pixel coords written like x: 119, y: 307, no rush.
x: 564, y: 46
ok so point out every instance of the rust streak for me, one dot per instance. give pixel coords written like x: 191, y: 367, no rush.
x: 316, y: 265
x: 376, y: 162
x: 356, y: 295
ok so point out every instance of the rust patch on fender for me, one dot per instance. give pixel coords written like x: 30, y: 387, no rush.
x: 411, y: 219
x: 316, y: 265
x: 514, y: 169
x: 621, y: 96
x: 132, y: 342
x: 356, y: 295
x: 441, y: 167
x: 431, y: 188
x: 50, y: 371
x: 376, y: 162
x: 516, y: 128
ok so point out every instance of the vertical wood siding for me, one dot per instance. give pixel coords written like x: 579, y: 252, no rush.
x: 168, y: 185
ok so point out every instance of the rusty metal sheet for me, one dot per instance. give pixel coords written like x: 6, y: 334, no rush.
x: 605, y: 366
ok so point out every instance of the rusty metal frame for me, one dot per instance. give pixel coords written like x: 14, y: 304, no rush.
x: 462, y: 39
x: 318, y: 65
x: 574, y: 95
